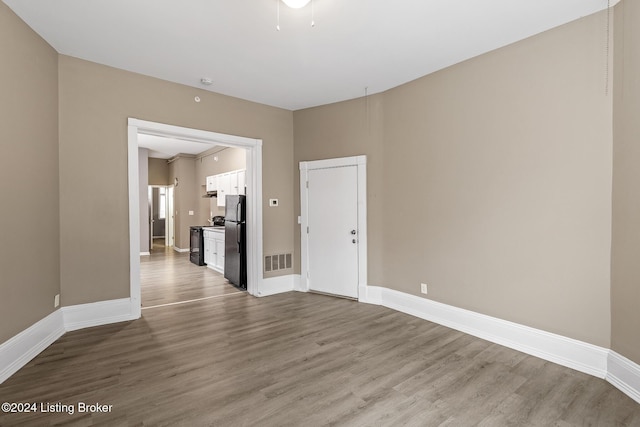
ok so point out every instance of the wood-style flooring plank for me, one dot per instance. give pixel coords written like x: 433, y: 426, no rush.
x: 167, y: 276
x: 300, y: 359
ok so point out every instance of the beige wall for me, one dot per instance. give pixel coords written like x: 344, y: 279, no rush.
x: 97, y: 100
x: 183, y: 168
x: 158, y: 172
x: 346, y: 129
x: 191, y: 172
x: 507, y: 159
x: 625, y: 264
x: 491, y: 181
x: 29, y: 254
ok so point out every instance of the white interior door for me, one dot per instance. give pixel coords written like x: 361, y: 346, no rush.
x: 333, y: 230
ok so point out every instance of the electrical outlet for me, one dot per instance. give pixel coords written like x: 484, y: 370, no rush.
x: 423, y: 288
x: 56, y: 301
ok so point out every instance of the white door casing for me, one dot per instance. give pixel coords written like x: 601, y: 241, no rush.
x: 253, y: 149
x: 169, y: 222
x: 150, y: 219
x: 332, y: 205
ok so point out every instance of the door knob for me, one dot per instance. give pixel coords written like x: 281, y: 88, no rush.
x: 353, y: 232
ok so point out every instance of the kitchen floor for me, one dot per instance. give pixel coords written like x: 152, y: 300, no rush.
x: 168, y: 277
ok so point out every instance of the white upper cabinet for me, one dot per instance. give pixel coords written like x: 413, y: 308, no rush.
x: 242, y: 182
x: 212, y: 183
x: 224, y: 187
x: 229, y: 183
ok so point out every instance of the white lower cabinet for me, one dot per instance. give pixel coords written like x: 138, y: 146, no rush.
x: 219, y: 245
x: 214, y: 249
x: 208, y: 245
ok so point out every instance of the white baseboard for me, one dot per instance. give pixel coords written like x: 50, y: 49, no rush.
x: 297, y: 283
x: 277, y: 285
x: 20, y: 349
x: 177, y: 249
x: 597, y: 361
x: 578, y: 355
x: 600, y: 362
x: 97, y: 313
x: 370, y: 294
x: 145, y: 253
x: 624, y: 375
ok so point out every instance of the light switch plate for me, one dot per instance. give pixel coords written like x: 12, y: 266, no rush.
x: 273, y: 202
x: 191, y: 213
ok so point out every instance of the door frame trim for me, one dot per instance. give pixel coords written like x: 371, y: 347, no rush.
x: 361, y: 163
x: 253, y: 149
x: 166, y: 225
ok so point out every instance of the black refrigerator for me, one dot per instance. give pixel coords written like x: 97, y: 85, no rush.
x: 235, y: 241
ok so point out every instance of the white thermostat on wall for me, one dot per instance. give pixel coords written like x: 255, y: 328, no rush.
x: 273, y: 202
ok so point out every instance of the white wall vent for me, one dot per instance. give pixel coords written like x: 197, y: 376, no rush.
x: 278, y: 262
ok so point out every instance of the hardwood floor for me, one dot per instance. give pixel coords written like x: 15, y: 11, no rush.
x: 299, y: 359
x: 167, y: 277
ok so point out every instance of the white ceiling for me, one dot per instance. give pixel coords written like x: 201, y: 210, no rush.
x: 166, y: 148
x: 355, y: 44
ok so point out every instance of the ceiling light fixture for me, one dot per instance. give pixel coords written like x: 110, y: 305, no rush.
x: 296, y: 4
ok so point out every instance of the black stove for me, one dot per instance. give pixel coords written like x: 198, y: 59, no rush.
x: 196, y: 247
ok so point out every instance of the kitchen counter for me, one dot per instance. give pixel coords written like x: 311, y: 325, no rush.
x: 214, y: 228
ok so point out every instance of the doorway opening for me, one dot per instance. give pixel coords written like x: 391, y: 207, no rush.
x: 253, y: 149
x: 160, y: 217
